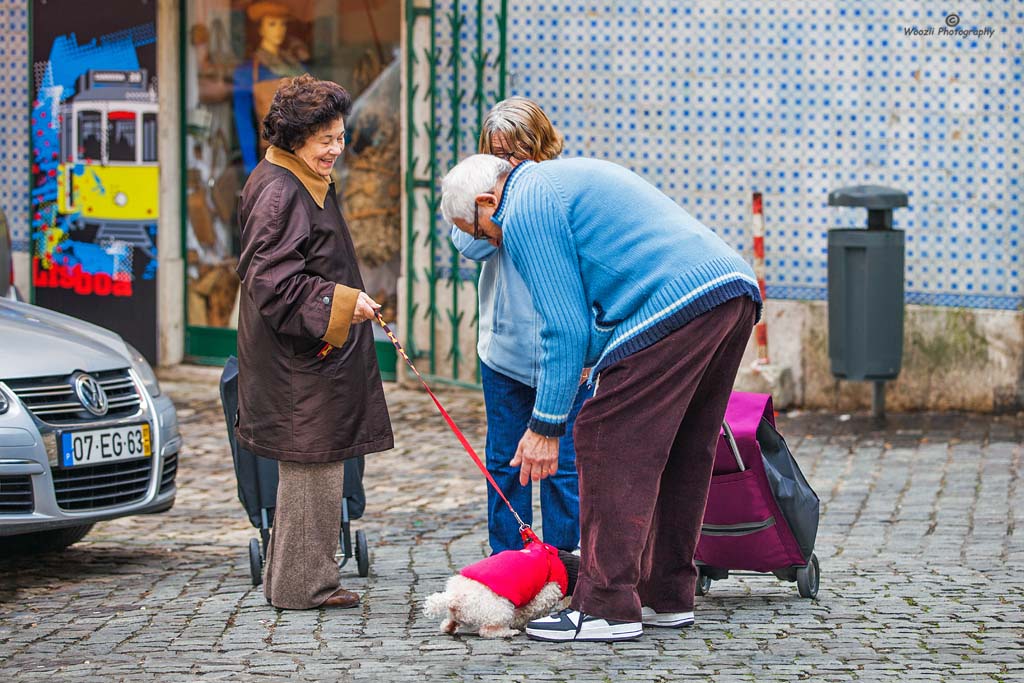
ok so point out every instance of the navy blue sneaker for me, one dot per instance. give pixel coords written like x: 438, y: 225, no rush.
x: 572, y: 625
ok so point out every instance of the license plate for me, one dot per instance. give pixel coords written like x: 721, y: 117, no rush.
x: 98, y: 446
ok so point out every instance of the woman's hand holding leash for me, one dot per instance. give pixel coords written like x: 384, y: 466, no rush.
x: 366, y: 308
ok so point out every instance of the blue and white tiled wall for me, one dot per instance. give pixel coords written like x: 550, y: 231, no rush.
x: 14, y: 109
x: 712, y: 101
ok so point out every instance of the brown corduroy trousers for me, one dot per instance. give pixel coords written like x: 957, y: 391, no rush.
x: 645, y: 447
x: 300, y: 569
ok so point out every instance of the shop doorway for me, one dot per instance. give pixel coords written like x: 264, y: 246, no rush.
x: 231, y: 50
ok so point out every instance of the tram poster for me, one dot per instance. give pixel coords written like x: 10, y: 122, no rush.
x: 95, y: 165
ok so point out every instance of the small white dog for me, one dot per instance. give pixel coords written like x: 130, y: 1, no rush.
x: 497, y: 596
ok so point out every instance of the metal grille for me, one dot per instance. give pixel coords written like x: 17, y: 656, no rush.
x: 52, y: 399
x: 455, y: 74
x: 89, y: 487
x: 170, y: 471
x: 16, y: 495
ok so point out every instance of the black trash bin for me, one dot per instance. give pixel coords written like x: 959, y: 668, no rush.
x: 865, y: 290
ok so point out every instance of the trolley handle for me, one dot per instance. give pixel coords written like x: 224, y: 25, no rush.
x: 731, y: 440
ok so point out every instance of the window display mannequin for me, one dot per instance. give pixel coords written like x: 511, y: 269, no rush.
x: 256, y: 80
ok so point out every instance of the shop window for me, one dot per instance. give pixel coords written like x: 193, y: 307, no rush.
x: 239, y: 52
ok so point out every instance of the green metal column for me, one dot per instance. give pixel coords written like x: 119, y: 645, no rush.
x: 455, y: 94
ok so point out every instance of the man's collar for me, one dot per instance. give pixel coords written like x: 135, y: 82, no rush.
x: 499, y: 213
x: 315, y: 184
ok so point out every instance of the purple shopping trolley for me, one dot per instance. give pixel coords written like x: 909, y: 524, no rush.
x: 761, y: 514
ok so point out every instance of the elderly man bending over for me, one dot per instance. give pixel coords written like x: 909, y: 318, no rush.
x: 629, y: 283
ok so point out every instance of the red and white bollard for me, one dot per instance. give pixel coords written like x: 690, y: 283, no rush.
x: 762, y: 376
x: 761, y: 329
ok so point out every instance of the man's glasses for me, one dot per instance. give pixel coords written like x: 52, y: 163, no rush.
x: 476, y: 221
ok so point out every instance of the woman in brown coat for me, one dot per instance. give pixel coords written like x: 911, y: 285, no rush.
x: 309, y: 389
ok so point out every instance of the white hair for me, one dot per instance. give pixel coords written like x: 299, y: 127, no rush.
x: 474, y: 175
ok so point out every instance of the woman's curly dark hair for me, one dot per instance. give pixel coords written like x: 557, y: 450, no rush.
x: 301, y: 107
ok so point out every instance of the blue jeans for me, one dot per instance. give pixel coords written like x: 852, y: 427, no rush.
x: 509, y: 404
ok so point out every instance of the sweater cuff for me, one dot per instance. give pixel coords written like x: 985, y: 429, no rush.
x: 343, y: 305
x: 546, y: 428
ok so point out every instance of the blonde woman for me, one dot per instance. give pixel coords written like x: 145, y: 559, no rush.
x: 517, y: 130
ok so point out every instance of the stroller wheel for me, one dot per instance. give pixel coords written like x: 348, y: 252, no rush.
x: 703, y: 582
x: 807, y: 578
x: 362, y: 554
x: 255, y: 562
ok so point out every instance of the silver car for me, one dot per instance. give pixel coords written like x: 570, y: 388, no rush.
x: 85, y: 432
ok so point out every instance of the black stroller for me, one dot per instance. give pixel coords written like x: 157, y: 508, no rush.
x: 257, y: 489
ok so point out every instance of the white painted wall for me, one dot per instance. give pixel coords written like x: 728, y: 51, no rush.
x: 953, y: 359
x: 171, y: 268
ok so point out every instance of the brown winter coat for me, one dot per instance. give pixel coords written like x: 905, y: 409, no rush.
x: 300, y: 281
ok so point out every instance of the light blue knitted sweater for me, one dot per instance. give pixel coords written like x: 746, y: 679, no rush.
x: 613, y: 266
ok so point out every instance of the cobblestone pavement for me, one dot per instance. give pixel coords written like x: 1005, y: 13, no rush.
x: 920, y: 546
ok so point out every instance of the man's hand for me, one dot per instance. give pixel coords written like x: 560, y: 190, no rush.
x: 536, y: 456
x: 365, y: 308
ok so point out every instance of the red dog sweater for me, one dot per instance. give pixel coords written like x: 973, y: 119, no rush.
x: 518, y: 575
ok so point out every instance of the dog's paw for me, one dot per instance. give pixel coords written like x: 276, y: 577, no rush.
x: 545, y: 602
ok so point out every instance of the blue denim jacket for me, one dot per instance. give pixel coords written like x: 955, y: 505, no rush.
x: 509, y: 336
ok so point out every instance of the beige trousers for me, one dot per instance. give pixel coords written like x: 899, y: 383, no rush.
x: 300, y: 569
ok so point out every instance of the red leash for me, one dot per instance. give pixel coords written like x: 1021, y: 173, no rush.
x: 524, y: 529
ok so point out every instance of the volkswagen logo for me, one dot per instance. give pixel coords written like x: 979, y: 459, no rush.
x: 91, y: 394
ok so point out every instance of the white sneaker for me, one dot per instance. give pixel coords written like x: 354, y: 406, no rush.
x: 667, y: 619
x: 572, y: 625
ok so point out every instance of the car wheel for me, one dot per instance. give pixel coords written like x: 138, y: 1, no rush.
x: 43, y: 541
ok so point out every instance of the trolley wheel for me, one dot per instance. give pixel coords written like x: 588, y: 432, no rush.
x: 714, y: 573
x: 807, y: 578
x: 703, y: 583
x: 362, y: 554
x: 255, y: 562
x: 787, y: 574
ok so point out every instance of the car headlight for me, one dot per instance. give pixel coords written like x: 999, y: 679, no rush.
x: 5, y: 403
x: 144, y: 370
